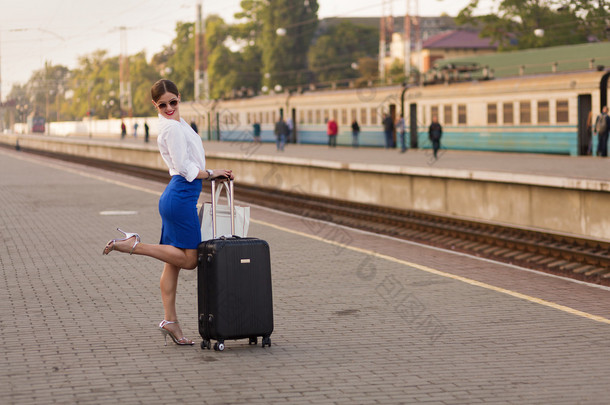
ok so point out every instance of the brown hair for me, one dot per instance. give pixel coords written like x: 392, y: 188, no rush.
x: 161, y: 87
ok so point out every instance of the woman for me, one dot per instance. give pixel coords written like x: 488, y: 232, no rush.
x: 182, y: 151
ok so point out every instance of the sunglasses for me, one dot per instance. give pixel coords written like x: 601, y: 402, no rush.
x: 173, y: 104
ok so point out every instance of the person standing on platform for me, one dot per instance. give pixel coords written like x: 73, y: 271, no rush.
x: 182, y: 150
x: 135, y: 130
x: 602, y: 126
x: 590, y: 133
x: 146, y: 131
x: 290, y: 129
x: 388, y: 130
x: 256, y: 132
x: 332, y: 129
x: 281, y: 131
x: 123, y: 130
x: 435, y: 132
x: 400, y: 127
x: 355, y: 133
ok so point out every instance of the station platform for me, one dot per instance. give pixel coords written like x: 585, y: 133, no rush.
x: 359, y: 318
x: 560, y: 194
x: 520, y: 165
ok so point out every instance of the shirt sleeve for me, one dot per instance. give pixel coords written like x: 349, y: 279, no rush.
x: 177, y: 149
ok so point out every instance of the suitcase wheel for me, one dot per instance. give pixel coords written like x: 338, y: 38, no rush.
x: 219, y: 346
x: 266, y: 341
x: 253, y: 341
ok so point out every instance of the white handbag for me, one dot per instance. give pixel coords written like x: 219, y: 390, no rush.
x: 216, y: 220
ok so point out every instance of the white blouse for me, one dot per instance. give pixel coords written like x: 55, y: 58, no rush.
x: 180, y: 148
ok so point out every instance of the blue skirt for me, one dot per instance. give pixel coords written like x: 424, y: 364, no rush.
x: 178, y: 209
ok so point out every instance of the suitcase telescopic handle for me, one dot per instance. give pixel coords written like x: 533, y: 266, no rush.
x: 216, y: 194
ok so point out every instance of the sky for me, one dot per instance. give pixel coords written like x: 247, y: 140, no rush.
x: 33, y: 32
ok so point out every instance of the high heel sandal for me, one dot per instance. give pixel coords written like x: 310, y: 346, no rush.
x: 128, y: 235
x: 181, y: 341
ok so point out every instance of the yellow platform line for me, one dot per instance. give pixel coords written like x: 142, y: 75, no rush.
x: 430, y: 270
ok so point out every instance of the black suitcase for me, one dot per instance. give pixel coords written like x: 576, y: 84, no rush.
x: 234, y: 288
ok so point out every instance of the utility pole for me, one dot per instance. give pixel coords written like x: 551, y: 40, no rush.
x: 412, y: 23
x: 386, y: 29
x: 382, y: 42
x: 202, y: 85
x: 125, y: 99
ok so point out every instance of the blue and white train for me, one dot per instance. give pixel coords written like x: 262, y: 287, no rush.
x: 544, y: 113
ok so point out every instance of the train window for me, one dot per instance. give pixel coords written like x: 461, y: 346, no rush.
x: 525, y: 112
x: 343, y: 116
x: 562, y: 112
x: 461, y: 113
x: 492, y: 113
x: 508, y: 113
x: 310, y: 116
x: 318, y: 116
x: 448, y: 114
x: 373, y: 116
x: 543, y: 112
x: 363, y: 116
x: 301, y: 116
x: 335, y: 114
x: 354, y: 114
x: 434, y: 112
x: 274, y: 120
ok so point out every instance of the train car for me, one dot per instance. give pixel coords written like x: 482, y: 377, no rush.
x: 540, y: 114
x: 545, y: 113
x: 36, y: 124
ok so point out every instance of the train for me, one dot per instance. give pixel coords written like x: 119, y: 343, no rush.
x: 542, y: 113
x: 36, y: 124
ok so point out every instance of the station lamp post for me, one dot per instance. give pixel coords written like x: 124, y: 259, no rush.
x: 22, y: 109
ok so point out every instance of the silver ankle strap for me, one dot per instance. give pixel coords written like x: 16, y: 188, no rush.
x: 164, y: 322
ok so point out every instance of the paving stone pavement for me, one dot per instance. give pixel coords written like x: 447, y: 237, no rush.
x: 350, y: 327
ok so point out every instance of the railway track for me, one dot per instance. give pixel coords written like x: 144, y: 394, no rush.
x: 579, y: 258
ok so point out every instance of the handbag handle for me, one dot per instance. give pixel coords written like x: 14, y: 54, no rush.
x: 216, y: 191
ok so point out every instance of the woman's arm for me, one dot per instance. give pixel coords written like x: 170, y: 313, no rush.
x: 214, y: 174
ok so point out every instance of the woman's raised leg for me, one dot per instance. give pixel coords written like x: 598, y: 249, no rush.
x: 181, y: 258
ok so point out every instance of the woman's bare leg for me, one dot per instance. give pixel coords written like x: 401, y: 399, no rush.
x: 181, y: 258
x: 169, y: 285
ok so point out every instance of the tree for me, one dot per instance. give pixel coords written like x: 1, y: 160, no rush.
x: 181, y: 60
x: 594, y: 14
x: 223, y: 64
x: 248, y: 33
x: 95, y: 86
x: 334, y: 54
x: 45, y: 89
x: 288, y: 28
x: 142, y: 75
x: 522, y: 24
x: 368, y: 67
x: 230, y: 71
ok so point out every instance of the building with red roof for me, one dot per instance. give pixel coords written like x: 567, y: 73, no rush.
x: 445, y: 45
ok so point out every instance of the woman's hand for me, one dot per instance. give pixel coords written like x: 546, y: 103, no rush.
x: 226, y: 173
